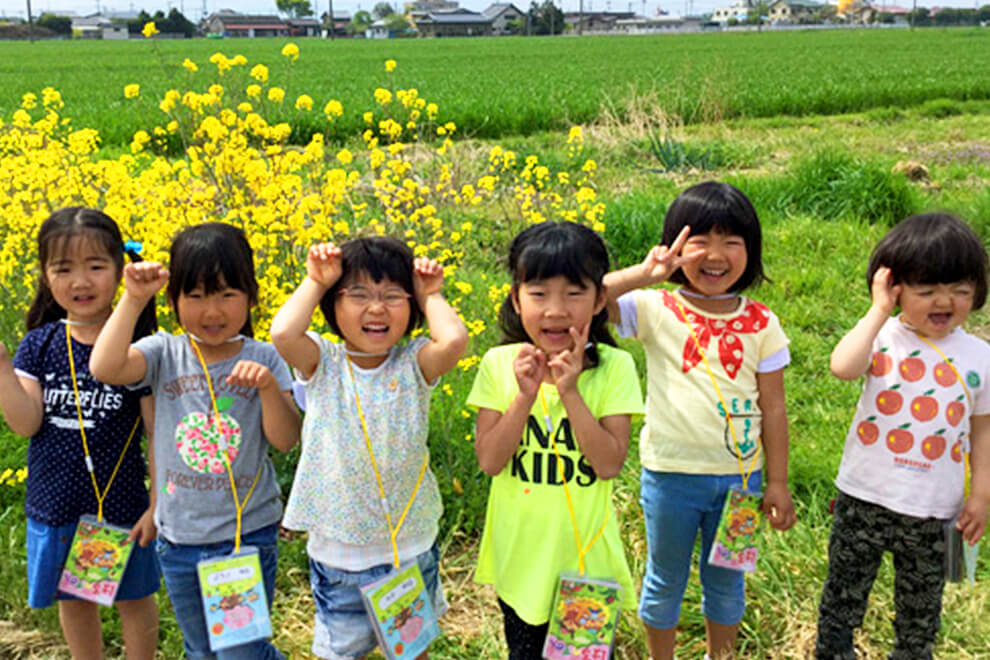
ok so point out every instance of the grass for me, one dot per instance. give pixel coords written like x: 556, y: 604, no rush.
x: 824, y: 190
x: 511, y: 86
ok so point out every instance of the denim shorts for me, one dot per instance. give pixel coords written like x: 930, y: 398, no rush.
x: 47, y: 549
x: 178, y: 564
x: 342, y: 630
x: 675, y: 507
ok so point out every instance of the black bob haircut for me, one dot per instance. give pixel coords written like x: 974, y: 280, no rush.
x: 378, y: 257
x: 54, y: 236
x: 214, y: 256
x: 932, y: 248
x: 723, y: 208
x: 552, y: 249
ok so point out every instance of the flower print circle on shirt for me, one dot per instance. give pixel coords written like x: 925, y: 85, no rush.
x: 200, y: 440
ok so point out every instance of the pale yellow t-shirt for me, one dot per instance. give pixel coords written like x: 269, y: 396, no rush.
x: 528, y: 538
x: 686, y: 428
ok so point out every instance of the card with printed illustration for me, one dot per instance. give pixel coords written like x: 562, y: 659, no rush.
x: 583, y: 619
x: 401, y: 613
x: 97, y: 558
x: 234, y: 600
x: 735, y: 541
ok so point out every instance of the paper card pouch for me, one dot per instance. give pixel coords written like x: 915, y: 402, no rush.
x: 234, y: 600
x: 735, y: 541
x: 401, y: 612
x: 583, y: 619
x: 97, y: 558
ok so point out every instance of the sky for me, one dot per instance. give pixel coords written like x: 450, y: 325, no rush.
x: 193, y: 9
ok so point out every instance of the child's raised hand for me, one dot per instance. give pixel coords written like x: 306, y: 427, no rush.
x: 251, y: 374
x: 427, y: 277
x: 779, y: 507
x: 144, y: 279
x: 323, y: 264
x: 530, y: 366
x: 662, y: 261
x: 972, y: 519
x: 884, y: 292
x: 566, y: 366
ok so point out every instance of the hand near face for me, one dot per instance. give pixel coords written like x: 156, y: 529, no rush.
x: 530, y: 367
x: 251, y: 374
x: 427, y: 277
x: 144, y: 279
x: 566, y: 366
x: 323, y: 264
x: 662, y: 261
x: 885, y: 294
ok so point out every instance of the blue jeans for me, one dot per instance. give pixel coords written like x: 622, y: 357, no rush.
x: 675, y: 507
x: 342, y: 630
x: 178, y: 563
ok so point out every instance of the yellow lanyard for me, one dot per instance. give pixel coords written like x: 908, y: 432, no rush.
x: 744, y: 473
x: 567, y: 492
x: 82, y: 431
x: 969, y: 398
x: 393, y: 532
x: 238, y: 505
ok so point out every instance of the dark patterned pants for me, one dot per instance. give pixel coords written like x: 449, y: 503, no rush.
x: 861, y: 533
x: 525, y: 641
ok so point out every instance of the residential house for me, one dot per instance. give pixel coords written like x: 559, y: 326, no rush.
x: 341, y: 21
x: 233, y: 24
x: 503, y: 15
x: 426, y: 6
x: 97, y: 26
x: 457, y: 23
x: 738, y: 10
x: 793, y: 12
x: 595, y: 21
x: 651, y: 24
x: 303, y: 27
x: 890, y: 14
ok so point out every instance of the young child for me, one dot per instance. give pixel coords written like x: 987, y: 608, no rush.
x: 82, y: 256
x: 703, y: 332
x: 925, y: 399
x: 558, y: 368
x: 366, y: 427
x: 212, y: 288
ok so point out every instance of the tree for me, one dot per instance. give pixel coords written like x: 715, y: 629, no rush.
x: 176, y: 23
x: 360, y: 22
x: 57, y: 24
x: 381, y: 10
x: 545, y: 18
x: 396, y: 23
x: 295, y: 8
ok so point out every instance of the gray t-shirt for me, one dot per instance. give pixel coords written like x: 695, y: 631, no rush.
x: 195, y: 505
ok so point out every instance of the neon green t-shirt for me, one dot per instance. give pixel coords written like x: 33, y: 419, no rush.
x: 528, y: 538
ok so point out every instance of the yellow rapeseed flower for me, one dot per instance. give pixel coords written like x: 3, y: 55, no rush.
x: 276, y: 94
x: 259, y: 72
x: 291, y: 51
x: 345, y: 157
x: 383, y: 96
x: 189, y: 65
x: 254, y: 91
x: 29, y: 100
x: 333, y: 109
x: 304, y: 102
x: 131, y: 91
x: 149, y: 30
x: 389, y: 66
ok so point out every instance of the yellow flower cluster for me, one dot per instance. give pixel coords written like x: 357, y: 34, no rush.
x: 236, y: 165
x: 12, y: 477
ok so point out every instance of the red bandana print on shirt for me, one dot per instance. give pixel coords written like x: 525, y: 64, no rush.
x: 753, y: 318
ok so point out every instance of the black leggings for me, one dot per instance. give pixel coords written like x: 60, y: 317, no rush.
x: 525, y: 641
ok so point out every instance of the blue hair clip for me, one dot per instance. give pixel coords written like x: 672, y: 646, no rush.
x: 133, y: 246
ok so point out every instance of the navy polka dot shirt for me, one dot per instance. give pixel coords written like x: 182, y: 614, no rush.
x: 59, y: 488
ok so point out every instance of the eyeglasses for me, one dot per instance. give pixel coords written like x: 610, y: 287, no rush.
x: 362, y: 297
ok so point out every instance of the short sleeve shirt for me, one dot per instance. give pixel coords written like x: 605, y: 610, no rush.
x: 195, y: 504
x: 904, y: 449
x: 528, y: 538
x: 335, y: 465
x: 686, y: 426
x: 59, y: 489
